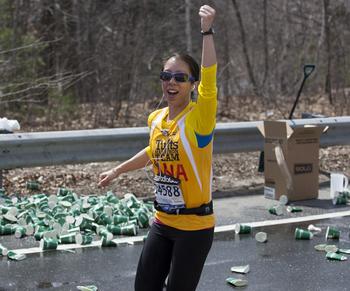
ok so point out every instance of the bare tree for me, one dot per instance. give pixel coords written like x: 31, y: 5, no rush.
x: 245, y: 49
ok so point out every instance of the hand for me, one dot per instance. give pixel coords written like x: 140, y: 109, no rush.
x: 107, y: 177
x: 207, y: 15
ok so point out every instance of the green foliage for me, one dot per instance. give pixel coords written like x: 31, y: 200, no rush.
x: 63, y: 102
x: 5, y: 39
x: 21, y: 66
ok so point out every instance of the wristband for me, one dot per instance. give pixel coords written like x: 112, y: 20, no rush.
x: 208, y: 32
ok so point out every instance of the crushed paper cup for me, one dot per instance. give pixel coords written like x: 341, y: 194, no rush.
x: 335, y: 256
x: 320, y: 247
x: 87, y: 288
x: 331, y: 249
x: 344, y: 251
x: 16, y: 257
x: 237, y: 282
x: 242, y: 228
x: 240, y: 269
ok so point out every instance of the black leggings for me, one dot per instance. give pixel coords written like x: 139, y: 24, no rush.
x: 181, y: 254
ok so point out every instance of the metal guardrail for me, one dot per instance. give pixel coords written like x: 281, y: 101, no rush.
x: 82, y: 146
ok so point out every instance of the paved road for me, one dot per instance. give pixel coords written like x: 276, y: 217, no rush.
x: 281, y: 263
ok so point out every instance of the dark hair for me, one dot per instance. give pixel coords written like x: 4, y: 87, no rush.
x: 192, y: 64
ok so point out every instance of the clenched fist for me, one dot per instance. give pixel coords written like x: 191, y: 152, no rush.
x: 207, y: 15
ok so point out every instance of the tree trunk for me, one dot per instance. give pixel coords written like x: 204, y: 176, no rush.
x: 188, y: 26
x: 327, y: 34
x: 245, y: 49
x: 266, y: 44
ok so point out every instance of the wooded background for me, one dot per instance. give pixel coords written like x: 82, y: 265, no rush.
x: 63, y: 52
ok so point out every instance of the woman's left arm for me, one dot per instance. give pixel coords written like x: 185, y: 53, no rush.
x: 207, y: 15
x: 203, y: 116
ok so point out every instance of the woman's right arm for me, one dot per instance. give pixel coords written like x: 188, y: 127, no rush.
x: 138, y: 161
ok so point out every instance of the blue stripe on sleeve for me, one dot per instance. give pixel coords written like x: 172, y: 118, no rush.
x: 204, y: 140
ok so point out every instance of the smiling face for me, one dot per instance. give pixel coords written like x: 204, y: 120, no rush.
x: 178, y: 94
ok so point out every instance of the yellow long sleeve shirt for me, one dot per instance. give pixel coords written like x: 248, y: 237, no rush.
x: 185, y: 153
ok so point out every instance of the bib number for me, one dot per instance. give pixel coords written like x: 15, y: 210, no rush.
x: 168, y: 192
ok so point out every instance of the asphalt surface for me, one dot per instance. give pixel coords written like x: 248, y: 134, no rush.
x: 282, y: 263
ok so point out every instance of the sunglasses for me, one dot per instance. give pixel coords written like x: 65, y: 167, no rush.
x: 179, y: 77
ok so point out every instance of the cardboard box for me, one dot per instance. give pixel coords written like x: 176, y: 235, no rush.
x: 291, y: 160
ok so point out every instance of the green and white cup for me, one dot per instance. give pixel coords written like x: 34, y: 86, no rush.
x: 335, y: 256
x: 104, y: 233
x: 293, y: 209
x: 303, y: 234
x: 15, y: 256
x: 52, y: 201
x: 3, y: 250
x: 38, y: 235
x: 236, y: 282
x: 32, y: 185
x: 339, y: 198
x: 115, y: 229
x: 261, y: 237
x: 283, y: 200
x: 108, y: 243
x: 242, y: 228
x: 48, y: 244
x: 13, y: 211
x: 104, y: 219
x: 51, y: 234
x: 70, y: 219
x: 276, y: 210
x: 20, y: 232
x: 63, y: 192
x: 6, y: 229
x: 10, y: 217
x: 108, y: 210
x: 84, y: 222
x: 29, y: 229
x: 130, y: 229
x: 332, y: 233
x: 67, y: 238
x: 120, y: 219
x: 344, y: 251
x: 83, y: 239
x: 142, y: 218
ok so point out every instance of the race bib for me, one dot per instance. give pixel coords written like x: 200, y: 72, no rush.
x: 168, y: 192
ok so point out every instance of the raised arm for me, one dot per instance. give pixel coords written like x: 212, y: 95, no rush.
x: 207, y: 15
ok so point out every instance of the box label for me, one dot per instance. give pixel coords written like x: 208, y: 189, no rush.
x: 302, y: 169
x: 269, y: 192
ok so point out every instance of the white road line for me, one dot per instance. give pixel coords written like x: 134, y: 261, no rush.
x: 63, y: 247
x: 218, y: 229
x: 231, y: 227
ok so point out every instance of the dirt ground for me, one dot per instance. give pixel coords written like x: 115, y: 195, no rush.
x: 231, y: 171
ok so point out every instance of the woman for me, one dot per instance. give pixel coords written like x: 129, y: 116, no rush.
x: 180, y: 148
